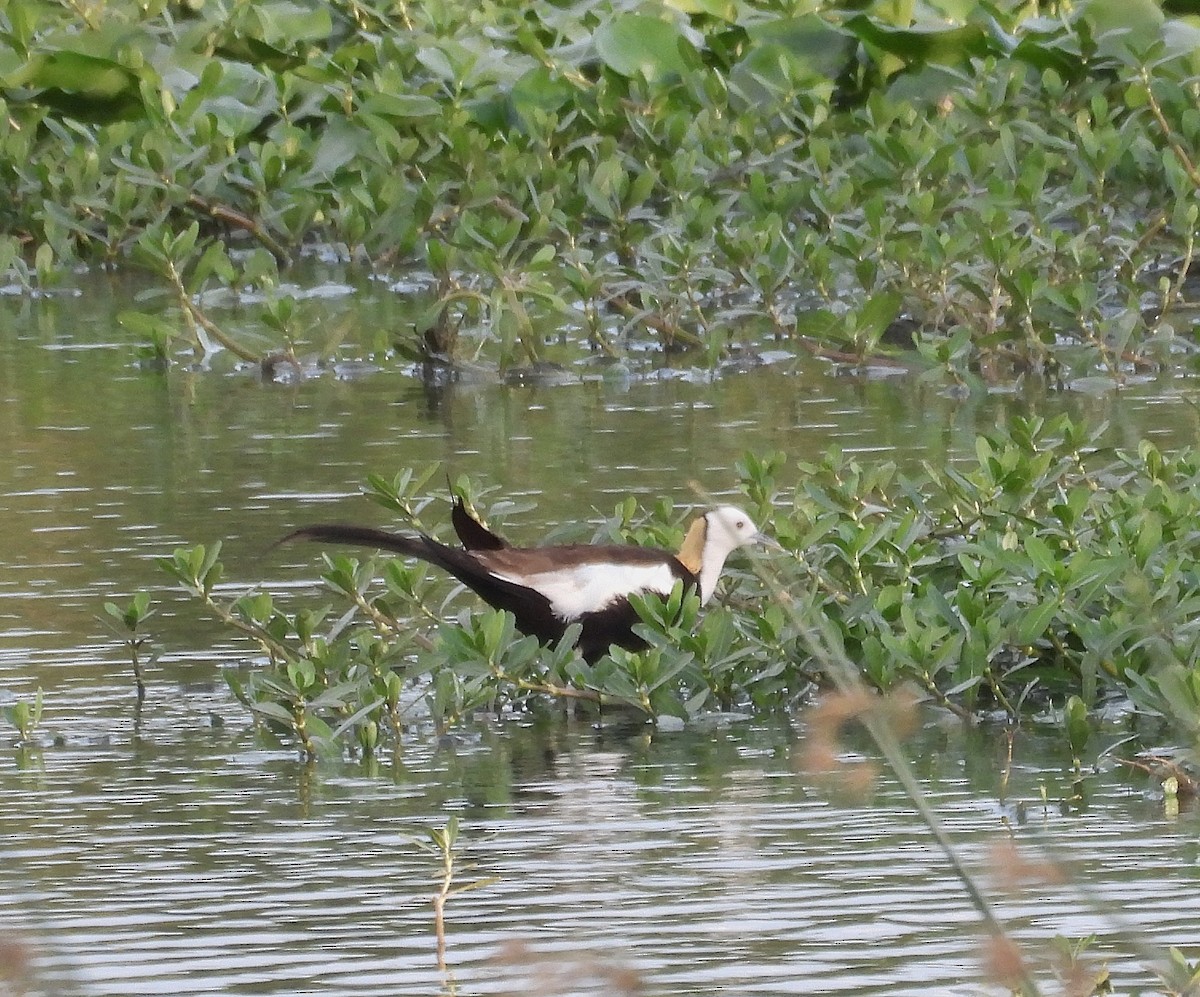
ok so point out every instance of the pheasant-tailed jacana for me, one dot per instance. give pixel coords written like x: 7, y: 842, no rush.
x: 548, y: 588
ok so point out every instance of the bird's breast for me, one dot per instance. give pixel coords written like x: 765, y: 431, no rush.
x: 576, y: 590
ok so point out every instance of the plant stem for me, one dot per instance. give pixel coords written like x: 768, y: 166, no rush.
x: 1160, y: 119
x: 138, y: 677
x: 195, y: 317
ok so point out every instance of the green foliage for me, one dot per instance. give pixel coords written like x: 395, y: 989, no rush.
x: 1075, y: 964
x: 1173, y: 692
x: 1050, y: 570
x: 1075, y: 721
x: 1180, y: 977
x: 1044, y: 568
x: 25, y: 717
x: 994, y: 188
x: 441, y: 843
x: 127, y: 624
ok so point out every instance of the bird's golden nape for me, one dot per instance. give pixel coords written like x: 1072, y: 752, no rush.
x: 549, y: 588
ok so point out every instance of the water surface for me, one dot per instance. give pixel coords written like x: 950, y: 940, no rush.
x: 180, y: 853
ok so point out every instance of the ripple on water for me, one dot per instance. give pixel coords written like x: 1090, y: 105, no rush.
x: 161, y: 855
x: 173, y: 854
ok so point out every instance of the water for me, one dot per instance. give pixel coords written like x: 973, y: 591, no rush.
x: 179, y: 853
x: 190, y: 860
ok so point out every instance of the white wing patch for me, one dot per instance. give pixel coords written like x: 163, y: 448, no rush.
x: 588, y: 588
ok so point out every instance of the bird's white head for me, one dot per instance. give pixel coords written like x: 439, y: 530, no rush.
x: 726, y: 528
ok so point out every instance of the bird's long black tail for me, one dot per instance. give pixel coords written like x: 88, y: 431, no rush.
x: 528, y: 605
x: 365, y: 536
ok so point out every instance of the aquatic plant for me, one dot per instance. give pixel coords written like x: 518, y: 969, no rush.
x: 1052, y: 567
x: 25, y: 716
x: 1181, y: 977
x: 442, y: 843
x: 128, y: 625
x: 1000, y: 193
x: 1053, y: 572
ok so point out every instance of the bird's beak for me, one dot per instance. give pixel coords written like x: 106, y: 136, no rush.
x: 763, y: 540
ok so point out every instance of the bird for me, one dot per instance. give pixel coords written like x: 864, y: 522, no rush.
x: 547, y: 589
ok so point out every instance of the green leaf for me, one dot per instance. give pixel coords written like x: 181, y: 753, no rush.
x: 640, y: 45
x: 1034, y: 621
x: 256, y: 607
x: 274, y: 711
x: 184, y: 243
x: 819, y: 324
x: 542, y: 257
x: 1040, y: 554
x: 86, y: 87
x: 1149, y: 538
x: 284, y: 24
x: 214, y: 263
x: 929, y: 42
x: 539, y: 90
x: 1136, y: 95
x: 1075, y: 720
x: 402, y: 105
x: 1123, y: 28
x: 878, y: 312
x: 726, y: 10
x: 336, y: 697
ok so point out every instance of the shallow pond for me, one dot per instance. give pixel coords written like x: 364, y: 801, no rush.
x: 179, y: 853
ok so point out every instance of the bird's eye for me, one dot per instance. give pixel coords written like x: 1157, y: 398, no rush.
x: 740, y: 524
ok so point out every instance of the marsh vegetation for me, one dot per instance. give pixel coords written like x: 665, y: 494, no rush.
x: 980, y: 197
x: 980, y: 192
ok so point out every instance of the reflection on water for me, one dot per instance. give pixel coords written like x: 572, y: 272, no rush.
x: 180, y: 855
x: 190, y: 860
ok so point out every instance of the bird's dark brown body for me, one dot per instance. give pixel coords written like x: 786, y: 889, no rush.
x: 549, y: 588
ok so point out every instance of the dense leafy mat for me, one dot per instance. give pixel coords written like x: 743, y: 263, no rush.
x: 1008, y: 187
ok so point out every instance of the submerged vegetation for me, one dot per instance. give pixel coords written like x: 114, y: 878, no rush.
x: 987, y: 190
x: 1052, y: 574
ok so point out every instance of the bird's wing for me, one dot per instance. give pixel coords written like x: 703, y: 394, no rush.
x: 580, y: 580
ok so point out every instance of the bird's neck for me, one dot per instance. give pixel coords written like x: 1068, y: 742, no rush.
x: 691, y: 553
x: 710, y: 570
x: 701, y: 558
